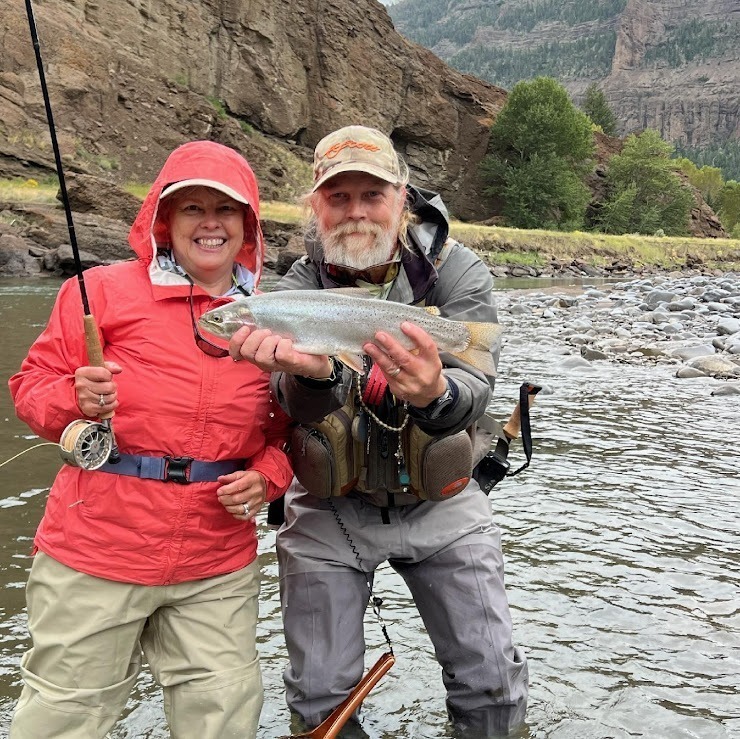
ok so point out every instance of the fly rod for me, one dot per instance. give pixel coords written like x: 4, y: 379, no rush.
x: 83, y: 443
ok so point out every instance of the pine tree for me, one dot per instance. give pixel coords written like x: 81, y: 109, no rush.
x: 596, y: 107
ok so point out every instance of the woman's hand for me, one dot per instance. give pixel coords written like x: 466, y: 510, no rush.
x: 273, y: 353
x: 96, y: 391
x: 413, y: 374
x: 242, y: 493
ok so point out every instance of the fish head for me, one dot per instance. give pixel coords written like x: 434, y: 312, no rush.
x: 226, y: 320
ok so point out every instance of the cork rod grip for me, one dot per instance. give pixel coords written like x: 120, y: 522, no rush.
x: 94, y: 349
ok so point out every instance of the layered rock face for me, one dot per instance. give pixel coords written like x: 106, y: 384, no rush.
x: 132, y: 79
x: 693, y: 102
x: 671, y: 65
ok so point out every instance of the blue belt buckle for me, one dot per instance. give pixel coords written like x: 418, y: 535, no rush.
x: 177, y: 469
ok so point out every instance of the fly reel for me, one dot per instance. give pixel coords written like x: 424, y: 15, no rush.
x: 86, y: 444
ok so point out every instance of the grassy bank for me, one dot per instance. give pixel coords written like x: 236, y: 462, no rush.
x: 498, y: 245
x: 539, y: 248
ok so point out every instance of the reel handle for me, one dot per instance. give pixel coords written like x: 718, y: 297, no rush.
x: 94, y: 350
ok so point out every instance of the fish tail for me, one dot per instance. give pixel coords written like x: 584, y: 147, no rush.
x: 483, y: 340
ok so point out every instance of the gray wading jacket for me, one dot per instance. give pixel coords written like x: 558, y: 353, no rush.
x: 461, y: 286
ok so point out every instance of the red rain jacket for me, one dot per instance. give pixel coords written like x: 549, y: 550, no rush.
x: 174, y: 400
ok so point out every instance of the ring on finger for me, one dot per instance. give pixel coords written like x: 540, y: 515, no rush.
x: 101, y: 400
x: 246, y: 509
x: 394, y: 372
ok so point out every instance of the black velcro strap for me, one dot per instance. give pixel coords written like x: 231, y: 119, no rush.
x: 525, y: 391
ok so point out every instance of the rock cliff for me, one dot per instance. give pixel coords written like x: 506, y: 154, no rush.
x: 660, y: 78
x: 132, y: 79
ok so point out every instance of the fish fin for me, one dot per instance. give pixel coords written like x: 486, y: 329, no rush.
x: 350, y: 292
x: 433, y: 310
x: 479, y: 358
x: 353, y: 361
x: 483, y: 339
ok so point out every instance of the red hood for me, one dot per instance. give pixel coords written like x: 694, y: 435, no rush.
x: 204, y: 160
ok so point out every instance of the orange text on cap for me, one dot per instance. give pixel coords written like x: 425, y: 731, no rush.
x: 349, y: 144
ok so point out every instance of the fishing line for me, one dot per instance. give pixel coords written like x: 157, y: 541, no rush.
x: 25, y: 451
x: 104, y: 440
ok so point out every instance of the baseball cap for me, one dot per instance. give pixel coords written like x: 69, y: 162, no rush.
x: 356, y: 149
x: 225, y: 189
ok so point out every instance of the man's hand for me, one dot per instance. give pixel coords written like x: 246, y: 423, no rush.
x: 273, y: 353
x: 414, y: 375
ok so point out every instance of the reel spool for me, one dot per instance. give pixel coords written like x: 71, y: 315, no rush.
x: 86, y: 444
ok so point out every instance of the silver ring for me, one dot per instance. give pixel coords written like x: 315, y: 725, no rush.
x: 246, y: 509
x: 101, y: 402
x: 394, y: 372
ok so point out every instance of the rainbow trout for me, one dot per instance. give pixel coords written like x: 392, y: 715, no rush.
x: 340, y: 321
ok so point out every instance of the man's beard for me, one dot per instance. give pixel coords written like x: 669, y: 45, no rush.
x: 349, y: 244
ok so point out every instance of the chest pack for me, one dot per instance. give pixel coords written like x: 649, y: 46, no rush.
x: 349, y: 450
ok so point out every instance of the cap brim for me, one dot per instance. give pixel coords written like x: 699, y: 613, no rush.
x: 379, y: 172
x: 225, y: 189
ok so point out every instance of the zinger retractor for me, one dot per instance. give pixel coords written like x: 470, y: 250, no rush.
x: 86, y: 444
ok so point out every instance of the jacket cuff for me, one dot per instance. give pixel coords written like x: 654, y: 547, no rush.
x: 323, y: 383
x: 275, y: 467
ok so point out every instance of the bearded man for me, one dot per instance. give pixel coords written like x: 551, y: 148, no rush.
x: 396, y: 491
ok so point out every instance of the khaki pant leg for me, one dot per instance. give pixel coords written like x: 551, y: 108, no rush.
x: 85, y: 655
x: 201, y: 648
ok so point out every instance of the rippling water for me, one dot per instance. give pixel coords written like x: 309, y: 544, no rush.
x: 622, y: 552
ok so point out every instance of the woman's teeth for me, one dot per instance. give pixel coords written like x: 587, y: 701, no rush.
x: 210, y: 243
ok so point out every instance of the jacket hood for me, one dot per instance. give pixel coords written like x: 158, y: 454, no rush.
x: 428, y: 236
x: 203, y: 161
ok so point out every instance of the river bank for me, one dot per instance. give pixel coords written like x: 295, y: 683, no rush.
x: 511, y: 252
x: 34, y: 241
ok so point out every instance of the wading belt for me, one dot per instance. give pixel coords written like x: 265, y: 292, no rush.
x: 182, y: 470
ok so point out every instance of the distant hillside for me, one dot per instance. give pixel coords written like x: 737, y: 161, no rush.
x: 664, y: 64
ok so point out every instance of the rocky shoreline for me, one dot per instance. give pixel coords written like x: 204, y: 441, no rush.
x: 690, y: 321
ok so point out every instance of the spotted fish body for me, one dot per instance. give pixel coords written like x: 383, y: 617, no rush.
x: 339, y: 322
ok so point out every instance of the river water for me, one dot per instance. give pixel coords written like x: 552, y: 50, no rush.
x: 622, y: 546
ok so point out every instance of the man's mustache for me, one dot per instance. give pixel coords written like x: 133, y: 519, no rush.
x: 363, y: 227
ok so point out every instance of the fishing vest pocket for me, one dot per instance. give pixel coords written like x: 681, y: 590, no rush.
x: 439, y: 467
x: 323, y: 455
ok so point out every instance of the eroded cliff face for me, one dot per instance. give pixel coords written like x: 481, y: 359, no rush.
x: 132, y: 79
x: 672, y: 65
x: 693, y: 102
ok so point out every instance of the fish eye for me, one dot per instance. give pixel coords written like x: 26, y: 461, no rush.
x: 217, y: 318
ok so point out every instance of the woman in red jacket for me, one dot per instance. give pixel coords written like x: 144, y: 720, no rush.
x: 155, y: 554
